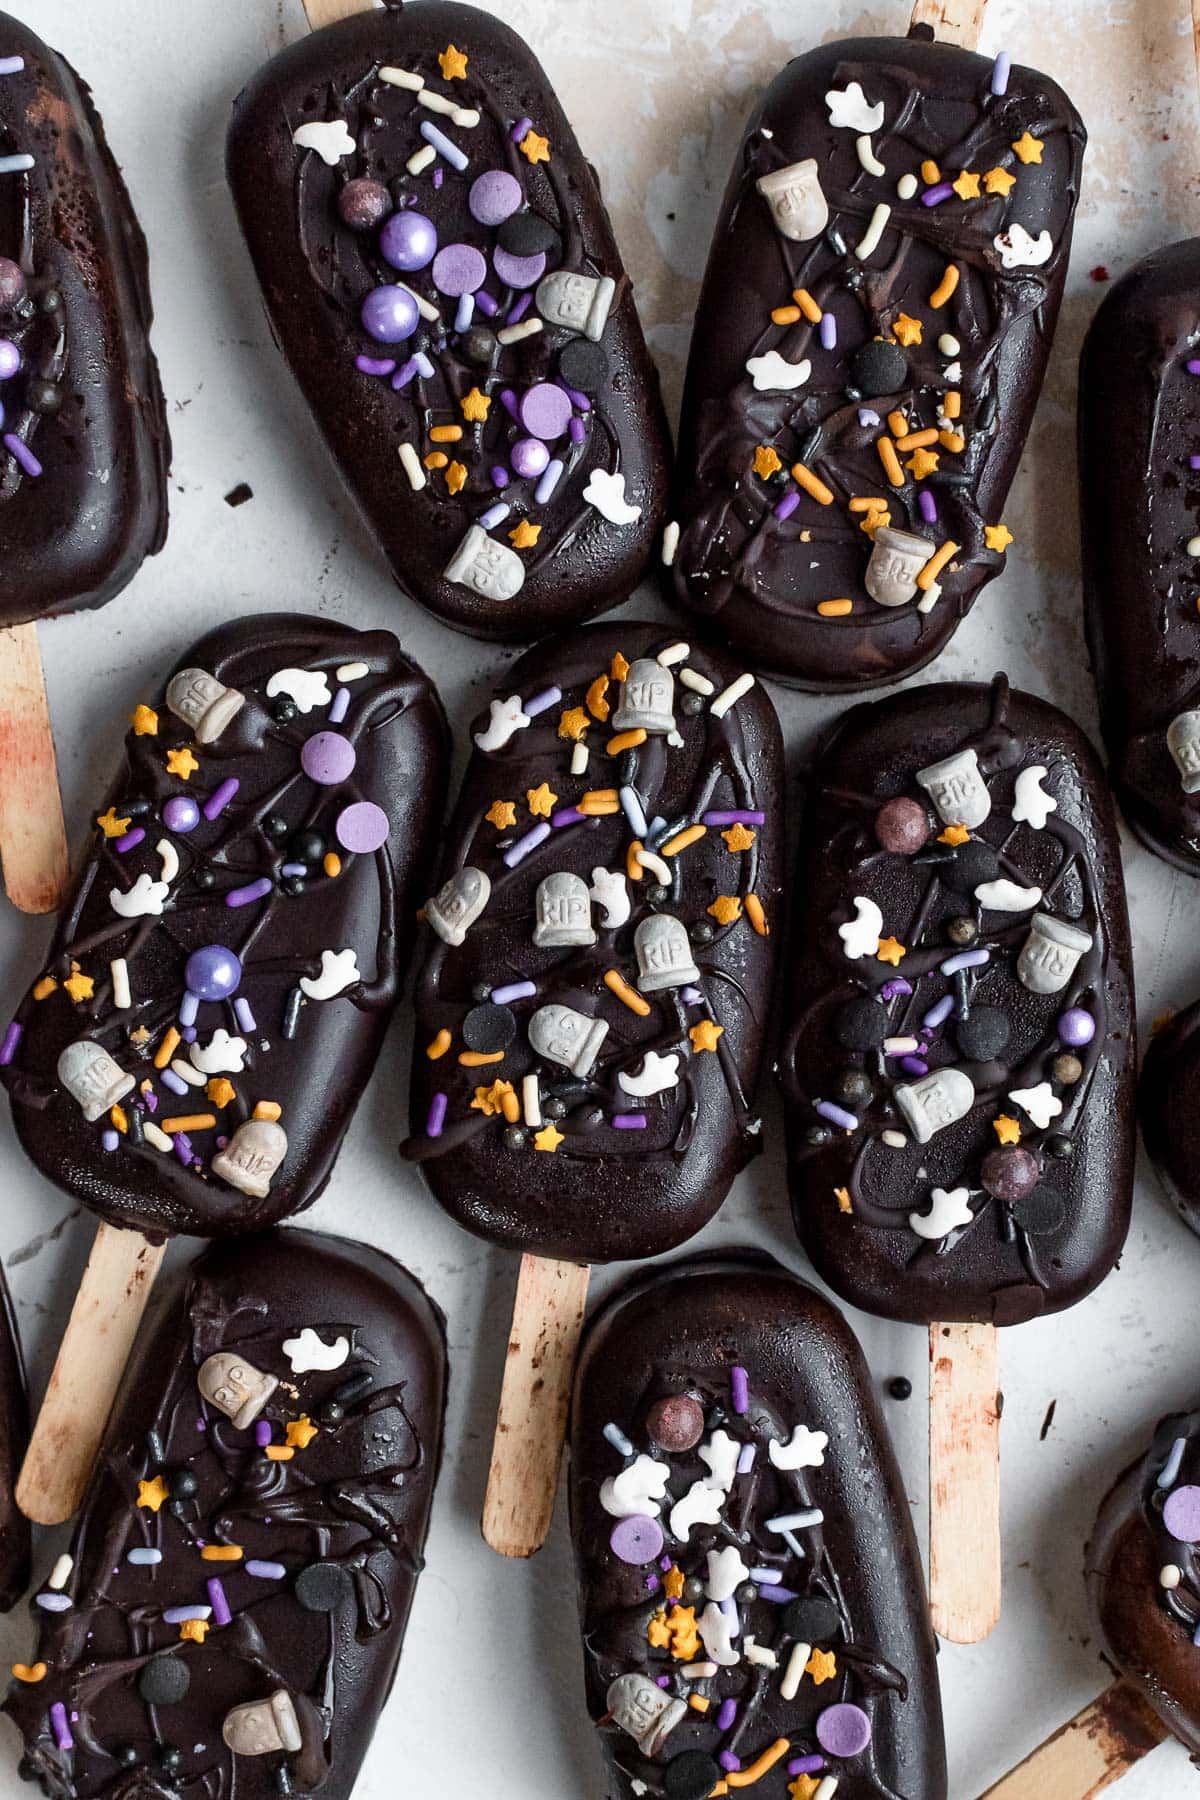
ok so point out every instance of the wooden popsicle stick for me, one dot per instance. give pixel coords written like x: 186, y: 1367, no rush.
x: 532, y: 1422
x: 328, y: 12
x: 954, y: 21
x: 1089, y: 1753
x: 91, y: 1360
x: 33, y: 838
x: 964, y: 1481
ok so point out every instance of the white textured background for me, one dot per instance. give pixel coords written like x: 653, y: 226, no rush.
x: 489, y: 1699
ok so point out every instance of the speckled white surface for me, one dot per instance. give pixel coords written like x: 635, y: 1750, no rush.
x: 489, y: 1700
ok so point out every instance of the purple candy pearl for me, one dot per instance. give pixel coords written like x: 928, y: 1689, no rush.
x: 213, y: 973
x: 518, y: 271
x: 529, y: 457
x: 389, y: 314
x: 494, y: 197
x: 545, y: 411
x: 408, y: 241
x: 637, y: 1540
x: 1181, y: 1515
x: 1077, y: 1026
x: 181, y: 813
x: 843, y: 1730
x: 10, y: 358
x: 328, y: 758
x: 459, y: 269
x: 362, y: 827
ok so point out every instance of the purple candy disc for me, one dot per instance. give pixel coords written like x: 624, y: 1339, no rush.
x: 328, y: 758
x: 459, y: 269
x: 494, y: 197
x: 518, y: 271
x: 1181, y: 1515
x: 362, y: 827
x: 843, y: 1730
x: 637, y: 1540
x: 545, y: 411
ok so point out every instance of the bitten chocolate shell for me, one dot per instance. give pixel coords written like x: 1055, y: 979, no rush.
x: 1167, y: 1107
x: 960, y: 1064
x: 1140, y: 548
x: 84, y: 446
x: 232, y: 1609
x: 597, y: 963
x: 223, y: 974
x: 15, y: 1536
x: 441, y: 275
x: 750, y: 1590
x: 1144, y: 1577
x: 872, y: 334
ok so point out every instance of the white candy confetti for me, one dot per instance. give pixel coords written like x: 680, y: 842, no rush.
x: 860, y: 935
x: 1017, y: 250
x: 330, y: 138
x: 726, y: 1571
x: 720, y: 1457
x: 636, y: 1490
x: 307, y: 687
x: 949, y: 1210
x: 309, y: 1351
x: 169, y: 857
x: 774, y: 374
x: 701, y: 1505
x: 1040, y: 1102
x: 610, y: 892
x: 760, y: 1655
x: 1032, y: 805
x: 339, y: 971
x: 850, y: 110
x: 716, y: 1634
x: 222, y: 1055
x: 145, y: 899
x: 507, y: 717
x: 607, y: 494
x: 805, y: 1449
x: 1007, y: 896
x: 657, y: 1075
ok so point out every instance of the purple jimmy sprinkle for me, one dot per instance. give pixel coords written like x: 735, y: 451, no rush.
x: 828, y: 330
x: 439, y: 175
x: 868, y: 416
x: 183, y: 1148
x: 404, y: 374
x: 175, y: 1082
x: 374, y: 365
x: 508, y: 401
x: 487, y: 306
x: 244, y: 1014
x: 500, y: 477
x: 443, y: 145
x: 11, y: 65
x: 265, y: 1571
x: 745, y: 1461
x: 566, y: 815
x: 938, y: 1014
x: 966, y: 959
x: 22, y: 453
x: 1000, y: 72
x: 294, y: 869
x: 520, y: 850
x: 729, y: 1761
x: 12, y: 1037
x: 935, y: 195
x: 495, y: 515
x: 778, y: 1596
x: 574, y: 395
x: 577, y: 430
x: 340, y: 707
x: 220, y: 797
x: 130, y: 841
x: 437, y: 1115
x: 1193, y: 366
x: 664, y: 1681
x: 665, y: 1563
x: 262, y: 1433
x: 109, y: 1140
x: 60, y: 1728
x: 787, y: 505
x: 220, y: 1605
x: 549, y: 481
x: 151, y: 1100
x: 189, y: 1006
x: 520, y: 128
x: 691, y: 996
x: 741, y: 817
x: 516, y: 990
x: 805, y: 1765
x: 424, y: 366
x: 914, y: 1065
x: 928, y: 505
x: 836, y: 1115
x: 739, y: 1388
x: 542, y: 702
x: 651, y: 1584
x: 628, y: 1121
x: 246, y: 896
x: 179, y: 1615
x: 519, y: 308
x: 727, y: 1714
x: 897, y: 985
x: 465, y: 313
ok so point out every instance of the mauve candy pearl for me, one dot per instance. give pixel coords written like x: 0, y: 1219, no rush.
x: 902, y: 826
x: 362, y: 827
x: 10, y: 358
x: 843, y: 1730
x: 545, y: 411
x: 328, y: 757
x: 362, y: 204
x: 181, y: 813
x: 676, y: 1423
x: 1011, y: 1173
x: 1076, y: 1026
x: 212, y: 973
x: 1181, y: 1514
x: 12, y: 281
x: 518, y: 271
x: 529, y: 457
x: 389, y: 314
x: 637, y: 1540
x: 459, y: 269
x: 494, y: 197
x: 408, y: 241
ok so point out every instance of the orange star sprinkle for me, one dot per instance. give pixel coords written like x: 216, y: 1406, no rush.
x: 110, y: 825
x: 954, y: 834
x: 804, y: 1787
x: 842, y: 1196
x: 997, y: 537
x: 301, y: 1432
x: 890, y: 951
x: 490, y: 1100
x: 144, y: 720
x: 907, y: 330
x: 453, y: 63
x: 194, y: 1630
x: 79, y: 986
x: 705, y: 1035
x: 151, y: 1494
x: 220, y: 1091
x: 822, y: 1666
x: 685, y: 1638
x: 999, y: 181
x: 1028, y: 148
x: 658, y: 1632
x: 476, y: 406
x: 181, y: 763
x: 535, y: 149
x: 967, y: 185
x: 140, y: 1034
x: 541, y: 800
x: 456, y: 478
x: 525, y: 535
x: 548, y: 1138
x: 573, y: 723
x: 738, y: 838
x: 873, y: 519
x: 673, y: 1582
x: 766, y: 462
x: 1007, y: 1130
x: 501, y: 814
x: 618, y: 668
x: 922, y: 463
x: 725, y: 909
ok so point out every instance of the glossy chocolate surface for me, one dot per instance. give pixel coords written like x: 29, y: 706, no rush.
x: 84, y: 497
x: 961, y: 1061
x: 15, y: 1534
x: 231, y: 845
x: 643, y: 1074
x: 391, y: 76
x: 1167, y: 1108
x: 292, y: 1551
x: 759, y: 552
x: 746, y: 1403
x: 1138, y: 520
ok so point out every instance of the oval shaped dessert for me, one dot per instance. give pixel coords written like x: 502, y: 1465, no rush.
x: 597, y: 964
x: 881, y: 294
x: 223, y: 974
x: 1140, y: 546
x: 84, y: 444
x: 441, y: 275
x: 1167, y: 1108
x: 961, y: 1060
x: 750, y: 1590
x: 249, y: 1545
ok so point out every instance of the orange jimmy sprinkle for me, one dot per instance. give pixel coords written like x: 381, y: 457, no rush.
x: 616, y: 984
x: 690, y: 834
x: 890, y: 461
x: 439, y: 1045
x: 222, y: 1553
x: 279, y: 1453
x: 633, y: 856
x: 267, y: 1109
x: 807, y: 305
x: 930, y: 172
x: 476, y: 1059
x: 866, y: 502
x: 756, y: 915
x: 936, y: 564
x: 598, y: 803
x: 954, y: 441
x: 945, y: 286
x: 812, y: 484
x: 952, y: 403
x: 189, y: 1122
x: 916, y: 440
x: 626, y: 740
x: 834, y: 609
x: 445, y: 434
x: 510, y: 1106
x: 786, y: 315
x: 166, y: 1049
x: 898, y: 423
x: 437, y: 459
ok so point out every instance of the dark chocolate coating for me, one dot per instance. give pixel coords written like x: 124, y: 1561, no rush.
x: 1167, y: 1108
x: 1146, y: 1630
x: 860, y: 1597
x: 760, y: 578
x: 15, y: 1536
x: 1049, y: 1212
x: 74, y: 535
x: 344, y: 1519
x: 313, y: 1062
x: 605, y: 1192
x: 315, y: 273
x: 1138, y: 513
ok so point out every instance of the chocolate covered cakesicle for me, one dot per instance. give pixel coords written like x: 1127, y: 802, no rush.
x: 752, y: 1606
x: 961, y: 1062
x: 1140, y: 543
x: 231, y: 1611
x: 872, y: 335
x: 440, y: 272
x: 14, y: 1431
x: 220, y: 982
x: 1167, y: 1108
x: 84, y: 445
x: 597, y: 966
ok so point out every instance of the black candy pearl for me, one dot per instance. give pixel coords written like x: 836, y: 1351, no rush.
x: 693, y: 1589
x: 284, y: 709
x: 182, y: 1484
x: 292, y: 884
x: 363, y: 204
x: 477, y: 345
x: 701, y: 932
x: 746, y: 1593
x: 984, y: 1034
x: 1058, y: 1145
x: 170, y: 1758
x: 879, y: 368
x: 204, y: 878
x: 656, y: 893
x: 481, y: 991
x: 690, y: 705
x: 515, y: 1138
x: 853, y: 1089
x: 126, y: 1755
x: 307, y: 846
x: 900, y: 1387
x: 42, y: 396
x: 818, y: 1136
x: 275, y: 826
x: 330, y: 1413
x: 962, y: 931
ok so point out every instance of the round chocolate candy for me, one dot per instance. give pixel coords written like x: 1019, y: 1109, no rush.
x: 900, y: 1387
x: 812, y: 1620
x: 961, y: 931
x: 362, y: 827
x: 459, y: 269
x: 1067, y: 1068
x: 1040, y: 1211
x: 478, y: 345
x: 489, y: 1028
x: 12, y: 281
x: 902, y: 826
x: 321, y: 1586
x: 528, y: 234
x: 328, y: 758
x: 984, y: 1033
x: 1058, y: 1145
x: 861, y: 1024
x: 363, y: 204
x: 518, y: 271
x: 878, y: 367
x: 692, y: 1775
x: 390, y: 314
x: 213, y: 972
x: 545, y: 411
x: 182, y: 1484
x: 854, y: 1089
x: 494, y: 197
x: 676, y: 1423
x: 843, y: 1730
x: 584, y: 366
x: 409, y: 241
x: 1010, y: 1173
x: 971, y: 864
x: 637, y: 1540
x: 164, y: 1681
